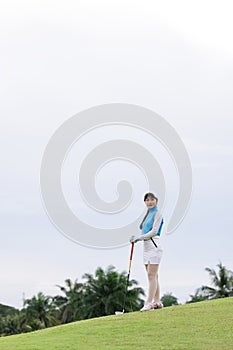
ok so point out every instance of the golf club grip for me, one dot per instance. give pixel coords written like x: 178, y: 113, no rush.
x: 131, y: 253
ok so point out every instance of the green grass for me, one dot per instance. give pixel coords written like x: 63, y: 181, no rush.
x: 205, y: 325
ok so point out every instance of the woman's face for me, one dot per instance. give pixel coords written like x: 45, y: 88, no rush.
x: 150, y: 202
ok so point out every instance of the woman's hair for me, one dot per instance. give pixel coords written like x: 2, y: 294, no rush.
x: 150, y: 195
x: 147, y: 195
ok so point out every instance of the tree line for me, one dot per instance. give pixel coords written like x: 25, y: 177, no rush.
x: 98, y: 295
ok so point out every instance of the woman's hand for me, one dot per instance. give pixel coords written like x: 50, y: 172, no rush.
x: 133, y: 239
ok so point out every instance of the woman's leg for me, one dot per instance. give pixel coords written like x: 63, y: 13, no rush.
x: 157, y: 293
x: 152, y: 273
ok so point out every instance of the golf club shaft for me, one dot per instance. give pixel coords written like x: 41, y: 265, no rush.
x: 127, y: 281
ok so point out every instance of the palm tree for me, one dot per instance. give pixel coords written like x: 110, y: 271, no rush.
x: 40, y: 309
x: 70, y: 304
x: 222, y: 282
x: 104, y: 293
x: 198, y: 296
x: 10, y: 325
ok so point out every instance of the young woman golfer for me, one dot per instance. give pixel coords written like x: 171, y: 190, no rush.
x: 152, y: 250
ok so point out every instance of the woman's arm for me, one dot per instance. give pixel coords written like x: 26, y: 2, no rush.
x: 156, y: 225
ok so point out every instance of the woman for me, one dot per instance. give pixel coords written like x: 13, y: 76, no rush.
x: 152, y: 250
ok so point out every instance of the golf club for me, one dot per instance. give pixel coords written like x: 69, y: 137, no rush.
x: 127, y: 281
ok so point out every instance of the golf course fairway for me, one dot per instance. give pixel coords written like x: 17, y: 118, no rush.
x: 206, y: 325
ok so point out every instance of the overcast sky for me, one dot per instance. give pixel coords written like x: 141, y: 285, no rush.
x: 61, y: 57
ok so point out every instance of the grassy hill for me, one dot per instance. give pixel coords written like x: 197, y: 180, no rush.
x: 205, y: 325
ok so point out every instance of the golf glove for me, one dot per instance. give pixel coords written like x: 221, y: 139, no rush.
x: 133, y: 239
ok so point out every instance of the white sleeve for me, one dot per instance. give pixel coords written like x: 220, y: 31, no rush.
x: 155, y: 228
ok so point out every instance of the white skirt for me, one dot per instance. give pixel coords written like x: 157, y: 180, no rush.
x: 151, y: 254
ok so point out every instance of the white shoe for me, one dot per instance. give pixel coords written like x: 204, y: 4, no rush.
x: 147, y: 307
x: 157, y: 305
